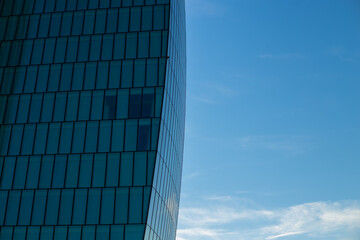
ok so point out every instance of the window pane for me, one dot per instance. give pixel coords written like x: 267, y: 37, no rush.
x: 72, y: 171
x: 28, y: 139
x: 122, y: 104
x: 84, y: 106
x: 78, y: 78
x: 19, y: 233
x: 146, y: 21
x: 40, y: 139
x: 42, y: 78
x: 139, y: 73
x: 104, y: 136
x: 39, y: 208
x: 148, y: 102
x: 107, y: 47
x: 54, y: 78
x: 46, y: 171
x: 143, y: 45
x: 77, y: 23
x: 53, y: 138
x: 33, y: 26
x: 79, y: 137
x: 131, y: 44
x: 67, y: 196
x: 114, y: 78
x: 88, y: 233
x: 89, y: 22
x: 91, y: 136
x: 67, y: 20
x: 152, y: 72
x: 25, y: 207
x: 140, y: 163
x: 23, y: 110
x: 102, y: 76
x: 8, y: 173
x: 66, y: 75
x: 95, y: 47
x: 93, y: 210
x: 126, y: 169
x: 117, y: 232
x: 55, y: 23
x: 99, y: 170
x: 72, y: 49
x: 66, y: 137
x: 111, y: 20
x: 86, y: 170
x: 134, y: 206
x: 37, y: 51
x: 79, y: 206
x: 52, y: 207
x: 112, y: 170
x: 127, y: 74
x: 135, y: 19
x: 30, y: 79
x: 159, y: 17
x: 90, y: 75
x: 97, y: 105
x: 35, y: 108
x: 12, y: 207
x: 3, y: 200
x: 20, y: 173
x: 59, y: 171
x: 134, y: 232
x: 123, y: 19
x: 100, y: 21
x: 119, y: 46
x: 110, y: 105
x: 33, y: 172
x: 59, y: 51
x: 121, y: 205
x: 135, y: 103
x: 10, y: 114
x: 44, y: 25
x: 59, y: 109
x: 117, y: 143
x: 143, y: 143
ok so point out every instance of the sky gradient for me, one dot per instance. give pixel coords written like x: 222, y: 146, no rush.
x: 272, y: 148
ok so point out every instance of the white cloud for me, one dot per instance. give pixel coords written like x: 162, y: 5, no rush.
x: 316, y: 219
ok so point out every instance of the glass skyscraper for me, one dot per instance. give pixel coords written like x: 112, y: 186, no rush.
x: 92, y: 112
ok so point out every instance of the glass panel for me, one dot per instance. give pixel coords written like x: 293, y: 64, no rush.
x: 26, y: 52
x: 100, y: 21
x: 86, y: 170
x: 154, y: 132
x: 122, y: 104
x: 117, y: 142
x: 54, y: 78
x: 99, y: 170
x: 28, y: 139
x: 8, y: 173
x: 146, y: 21
x: 15, y: 53
x: 67, y: 21
x: 72, y: 106
x: 10, y: 114
x: 126, y: 169
x: 42, y: 78
x: 67, y: 196
x: 19, y: 233
x: 134, y: 232
x: 107, y: 47
x: 77, y: 23
x: 53, y: 138
x: 12, y: 207
x: 111, y: 20
x: 104, y: 3
x: 66, y: 75
x: 30, y: 79
x: 39, y: 207
x: 33, y: 172
x: 155, y: 44
x: 20, y: 173
x: 93, y: 4
x: 119, y: 46
x: 131, y: 44
x: 79, y: 206
x: 66, y: 137
x: 25, y: 207
x: 148, y: 102
x: 52, y: 207
x: 112, y: 170
x: 37, y: 51
x: 8, y: 79
x: 90, y: 75
x: 59, y: 51
x: 72, y: 171
x: 71, y: 5
x: 115, y: 69
x: 84, y: 45
x: 4, y: 140
x: 140, y: 165
x: 135, y: 19
x: 91, y: 136
x: 84, y: 106
x: 46, y: 171
x: 23, y: 110
x: 59, y: 108
x: 22, y: 27
x: 92, y: 216
x: 152, y: 72
x: 97, y: 105
x: 143, y: 143
x: 33, y: 233
x: 104, y: 136
x: 117, y: 232
x: 46, y: 233
x: 102, y: 232
x: 74, y: 233
x: 95, y: 47
x: 139, y: 73
x: 135, y: 103
x: 88, y: 233
x: 159, y: 17
x: 72, y: 49
x: 131, y: 135
x: 143, y: 45
x: 33, y: 26
x: 135, y: 201
x: 127, y: 74
x: 78, y: 77
x: 110, y: 105
x: 35, y: 108
x: 59, y: 171
x: 60, y: 233
x: 79, y: 137
x: 121, y: 205
x: 44, y: 25
x: 39, y: 6
x: 89, y: 22
x: 49, y: 5
x: 3, y: 200
x: 40, y: 139
x: 82, y: 4
x: 123, y: 23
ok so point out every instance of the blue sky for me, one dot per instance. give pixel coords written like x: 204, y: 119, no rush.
x: 272, y: 147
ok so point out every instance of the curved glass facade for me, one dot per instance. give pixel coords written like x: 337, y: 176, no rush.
x: 92, y: 110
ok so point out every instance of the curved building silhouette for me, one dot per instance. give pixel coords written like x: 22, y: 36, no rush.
x: 92, y: 113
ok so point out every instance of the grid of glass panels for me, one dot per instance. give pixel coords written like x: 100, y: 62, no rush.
x: 81, y: 99
x: 165, y: 195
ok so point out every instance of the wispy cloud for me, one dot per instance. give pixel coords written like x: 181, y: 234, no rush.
x: 316, y: 219
x: 204, y: 8
x: 285, y: 56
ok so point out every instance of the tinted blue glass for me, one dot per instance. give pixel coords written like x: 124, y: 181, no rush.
x: 104, y: 136
x: 35, y: 107
x: 59, y: 107
x: 67, y: 19
x: 123, y: 24
x: 23, y: 110
x: 126, y: 169
x: 112, y: 170
x: 25, y: 207
x: 100, y: 21
x: 98, y: 179
x: 42, y: 78
x: 53, y: 138
x: 88, y: 233
x: 72, y: 171
x: 44, y: 25
x: 93, y: 210
x: 66, y: 137
x: 86, y: 170
x: 67, y: 196
x: 114, y: 76
x: 78, y: 76
x: 131, y: 135
x: 111, y: 23
x: 118, y: 131
x: 119, y: 46
x: 110, y: 105
x: 107, y: 206
x: 90, y: 75
x: 40, y: 139
x: 89, y: 22
x: 47, y: 165
x: 33, y: 172
x: 38, y: 214
x: 97, y: 105
x: 52, y: 207
x: 91, y: 137
x: 72, y: 106
x: 72, y: 47
x: 66, y: 76
x: 121, y: 205
x: 79, y: 206
x: 58, y: 178
x: 20, y: 173
x: 8, y: 172
x: 79, y: 137
x: 28, y: 139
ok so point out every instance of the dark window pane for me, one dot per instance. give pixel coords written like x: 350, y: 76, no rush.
x: 28, y: 139
x: 123, y: 23
x: 77, y: 23
x: 23, y: 110
x: 97, y: 105
x: 89, y: 22
x: 144, y: 135
x: 66, y: 136
x: 49, y: 50
x: 66, y: 76
x: 35, y: 108
x: 72, y: 106
x: 33, y: 172
x: 42, y: 79
x: 44, y: 25
x: 84, y: 106
x: 140, y: 163
x: 112, y: 170
x: 110, y: 105
x: 52, y: 143
x: 79, y: 137
x: 12, y: 207
x: 117, y: 143
x: 59, y: 171
x: 59, y: 108
x: 67, y: 20
x: 99, y: 170
x: 127, y: 74
x: 66, y: 204
x: 135, y: 103
x: 25, y: 207
x: 135, y: 19
x: 47, y: 164
x: 8, y: 173
x: 78, y: 76
x: 30, y: 79
x: 112, y: 20
x: 131, y: 44
x: 126, y: 169
x: 122, y: 104
x: 86, y: 170
x: 79, y: 206
x: 139, y: 73
x: 100, y: 21
x: 72, y: 47
x: 40, y: 139
x: 90, y: 75
x: 114, y: 76
x: 119, y: 46
x: 54, y: 78
x: 20, y: 173
x: 104, y: 136
x: 39, y: 208
x: 102, y: 75
x: 72, y: 171
x: 52, y: 207
x: 91, y: 136
x: 93, y: 210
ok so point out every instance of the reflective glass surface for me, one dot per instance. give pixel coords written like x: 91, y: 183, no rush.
x: 92, y: 106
